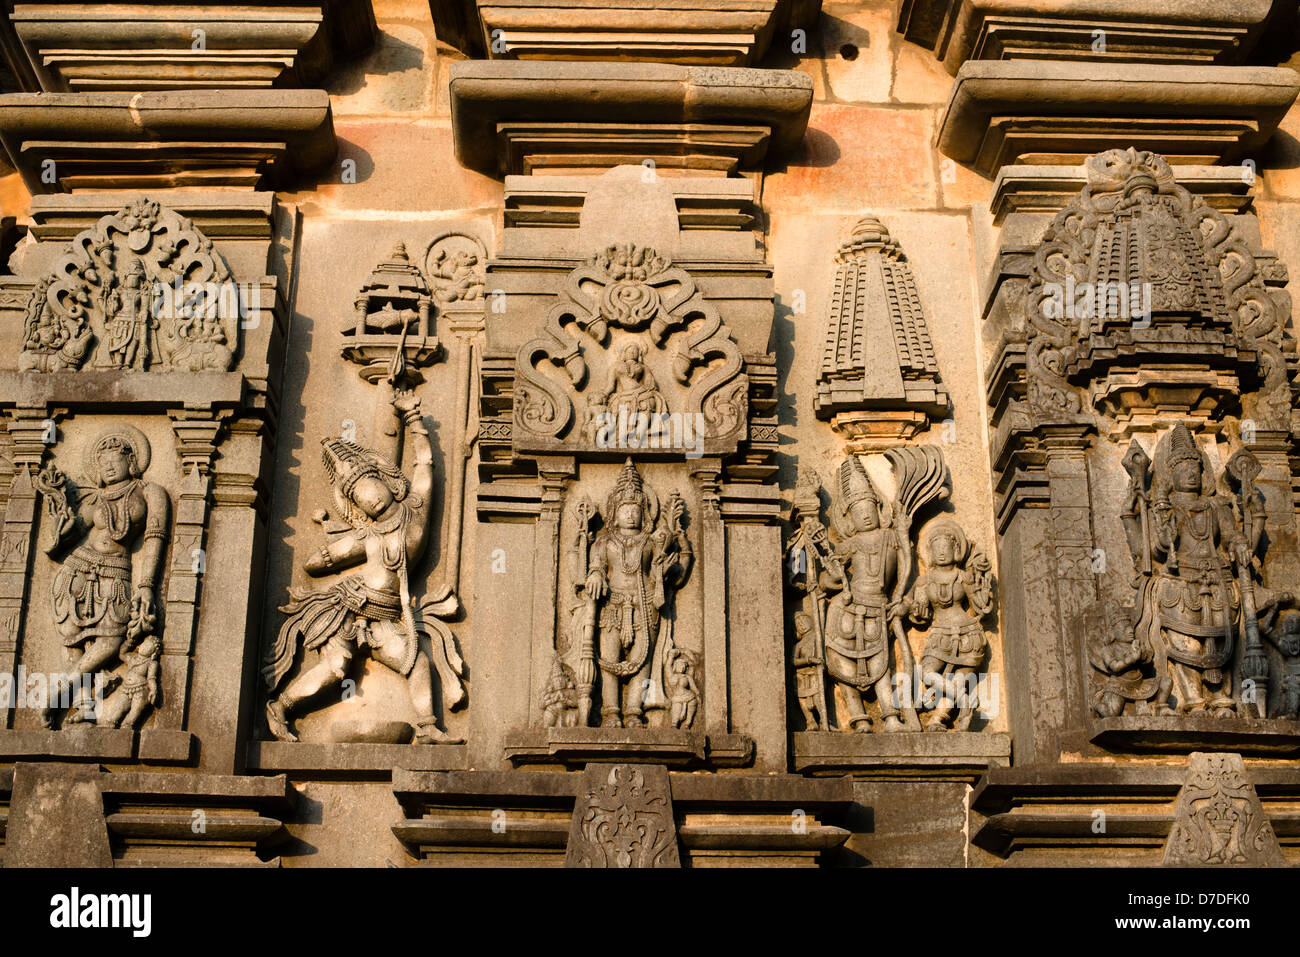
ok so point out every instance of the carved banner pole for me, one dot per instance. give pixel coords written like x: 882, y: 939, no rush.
x: 1244, y: 469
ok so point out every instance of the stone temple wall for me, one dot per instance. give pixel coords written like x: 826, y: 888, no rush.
x: 830, y: 434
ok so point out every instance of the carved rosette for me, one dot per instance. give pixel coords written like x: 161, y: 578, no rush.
x: 141, y: 289
x: 630, y: 290
x: 1152, y: 301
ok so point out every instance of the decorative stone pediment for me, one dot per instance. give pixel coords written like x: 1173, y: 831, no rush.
x: 630, y: 340
x: 1154, y: 303
x: 1219, y: 820
x: 142, y: 289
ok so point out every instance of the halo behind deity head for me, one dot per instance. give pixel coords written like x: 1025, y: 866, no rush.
x: 126, y: 437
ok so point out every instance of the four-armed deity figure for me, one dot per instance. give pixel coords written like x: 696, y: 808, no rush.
x: 1186, y: 544
x: 624, y: 579
x: 100, y: 600
x: 389, y: 518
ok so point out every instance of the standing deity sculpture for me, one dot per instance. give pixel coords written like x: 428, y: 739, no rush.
x: 103, y: 601
x: 867, y: 602
x: 1194, y: 551
x: 864, y: 563
x: 953, y: 595
x: 130, y: 324
x: 624, y: 576
x: 387, y: 520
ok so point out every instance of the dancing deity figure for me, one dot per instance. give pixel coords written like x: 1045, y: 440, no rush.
x: 626, y: 576
x: 1185, y: 546
x: 389, y: 519
x: 954, y: 594
x: 859, y: 618
x: 100, y: 600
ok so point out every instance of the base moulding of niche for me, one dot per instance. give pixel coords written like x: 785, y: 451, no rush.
x: 1181, y: 734
x: 379, y: 759
x: 934, y: 755
x: 670, y: 746
x: 91, y: 743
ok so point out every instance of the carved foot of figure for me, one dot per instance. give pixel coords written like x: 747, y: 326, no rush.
x: 79, y: 714
x: 861, y: 725
x: 46, y: 718
x: 936, y: 722
x: 892, y: 724
x: 1223, y: 708
x: 277, y: 718
x: 611, y: 719
x: 428, y: 732
x: 633, y: 720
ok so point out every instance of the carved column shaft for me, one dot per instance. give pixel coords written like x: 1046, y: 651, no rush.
x: 196, y: 434
x: 554, y: 473
x: 712, y: 569
x: 31, y: 431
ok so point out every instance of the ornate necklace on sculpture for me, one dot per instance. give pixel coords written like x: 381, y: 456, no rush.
x: 113, y: 509
x: 626, y: 544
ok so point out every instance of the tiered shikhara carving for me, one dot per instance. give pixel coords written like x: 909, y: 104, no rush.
x: 629, y: 302
x: 1152, y: 300
x: 866, y: 563
x: 141, y: 289
x: 879, y: 380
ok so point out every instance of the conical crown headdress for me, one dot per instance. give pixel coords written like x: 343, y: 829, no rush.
x: 628, y: 489
x: 346, y: 463
x: 855, y: 484
x: 1182, y: 447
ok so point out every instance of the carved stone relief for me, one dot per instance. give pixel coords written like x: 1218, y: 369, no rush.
x: 859, y: 593
x: 381, y: 522
x: 1152, y: 300
x: 112, y: 537
x: 1195, y: 551
x: 623, y: 818
x: 1219, y: 820
x: 634, y: 322
x: 454, y: 265
x: 879, y: 380
x: 141, y: 289
x: 618, y: 650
